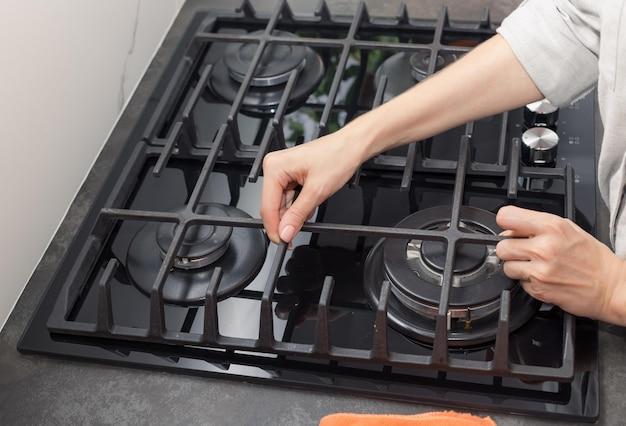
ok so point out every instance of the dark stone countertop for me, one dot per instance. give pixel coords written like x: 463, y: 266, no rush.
x: 42, y: 390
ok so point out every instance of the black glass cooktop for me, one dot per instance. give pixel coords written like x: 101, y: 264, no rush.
x: 392, y: 289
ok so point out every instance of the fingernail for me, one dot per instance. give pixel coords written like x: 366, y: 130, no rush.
x: 286, y: 234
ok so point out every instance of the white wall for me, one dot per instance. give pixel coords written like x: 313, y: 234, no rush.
x: 67, y: 68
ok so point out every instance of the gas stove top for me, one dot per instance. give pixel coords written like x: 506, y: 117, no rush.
x: 393, y: 288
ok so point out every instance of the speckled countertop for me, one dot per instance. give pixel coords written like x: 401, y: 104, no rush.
x: 41, y: 390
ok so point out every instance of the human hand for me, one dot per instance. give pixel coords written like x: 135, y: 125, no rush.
x: 559, y: 263
x: 320, y: 167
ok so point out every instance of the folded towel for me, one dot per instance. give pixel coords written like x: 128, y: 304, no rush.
x: 442, y: 418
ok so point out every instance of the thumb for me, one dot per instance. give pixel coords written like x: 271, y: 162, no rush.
x: 298, y: 213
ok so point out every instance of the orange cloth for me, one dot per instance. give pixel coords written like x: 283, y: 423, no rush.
x: 441, y: 418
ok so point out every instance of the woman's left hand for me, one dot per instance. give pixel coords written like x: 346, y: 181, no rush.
x: 559, y: 263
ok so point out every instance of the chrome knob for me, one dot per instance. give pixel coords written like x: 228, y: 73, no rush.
x: 541, y: 113
x: 539, y: 146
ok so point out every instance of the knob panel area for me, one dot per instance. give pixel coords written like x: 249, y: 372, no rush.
x: 541, y: 114
x: 539, y: 146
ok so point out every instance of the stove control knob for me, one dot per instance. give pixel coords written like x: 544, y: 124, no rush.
x: 541, y: 113
x: 539, y: 147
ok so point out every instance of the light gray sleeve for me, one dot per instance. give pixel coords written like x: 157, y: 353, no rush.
x: 557, y: 42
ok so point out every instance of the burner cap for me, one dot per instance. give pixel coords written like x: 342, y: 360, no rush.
x: 277, y: 62
x: 404, y: 69
x: 468, y: 256
x: 271, y: 75
x: 421, y: 60
x: 240, y: 252
x: 415, y: 268
x: 202, y: 244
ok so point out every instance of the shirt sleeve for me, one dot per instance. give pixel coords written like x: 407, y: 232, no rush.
x: 557, y: 43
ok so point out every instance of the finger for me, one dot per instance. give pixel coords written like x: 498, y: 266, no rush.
x: 271, y: 203
x: 297, y: 214
x: 522, y: 222
x: 515, y: 249
x: 517, y: 269
x: 287, y: 201
x: 509, y: 233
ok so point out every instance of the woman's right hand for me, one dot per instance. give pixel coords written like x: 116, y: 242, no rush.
x: 320, y: 167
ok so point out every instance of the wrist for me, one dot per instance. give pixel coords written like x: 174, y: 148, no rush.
x: 362, y: 135
x: 616, y: 303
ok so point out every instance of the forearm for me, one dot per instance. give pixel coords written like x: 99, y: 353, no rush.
x: 486, y: 81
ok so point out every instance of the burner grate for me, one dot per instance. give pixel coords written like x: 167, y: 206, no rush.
x: 439, y: 359
x: 228, y: 138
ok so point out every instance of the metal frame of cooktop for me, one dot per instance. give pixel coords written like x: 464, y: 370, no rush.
x: 175, y: 115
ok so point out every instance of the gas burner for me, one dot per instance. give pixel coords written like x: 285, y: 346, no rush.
x: 202, y: 245
x: 415, y: 270
x: 271, y: 74
x: 240, y: 253
x: 404, y: 69
x: 421, y: 60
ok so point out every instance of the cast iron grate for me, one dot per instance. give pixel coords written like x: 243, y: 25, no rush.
x: 227, y: 145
